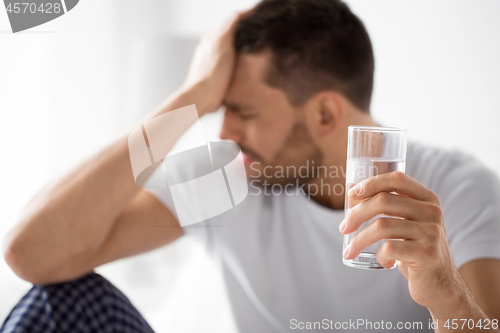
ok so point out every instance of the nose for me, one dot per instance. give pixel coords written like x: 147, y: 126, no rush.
x: 232, y: 127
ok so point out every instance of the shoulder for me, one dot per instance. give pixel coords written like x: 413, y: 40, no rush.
x: 446, y: 171
x: 470, y: 199
x: 469, y: 194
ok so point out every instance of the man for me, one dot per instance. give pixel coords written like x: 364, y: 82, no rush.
x: 293, y: 75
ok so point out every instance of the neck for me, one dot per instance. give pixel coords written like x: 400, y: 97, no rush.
x: 330, y: 185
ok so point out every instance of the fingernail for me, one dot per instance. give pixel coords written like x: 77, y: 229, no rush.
x: 345, y: 252
x: 342, y: 226
x: 353, y: 191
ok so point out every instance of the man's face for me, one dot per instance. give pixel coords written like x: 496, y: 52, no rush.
x: 270, y: 131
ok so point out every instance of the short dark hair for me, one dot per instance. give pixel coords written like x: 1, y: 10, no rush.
x: 315, y: 45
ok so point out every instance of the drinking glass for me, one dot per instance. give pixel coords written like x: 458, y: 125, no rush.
x: 371, y: 151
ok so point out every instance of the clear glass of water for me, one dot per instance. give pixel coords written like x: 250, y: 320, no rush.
x: 371, y: 151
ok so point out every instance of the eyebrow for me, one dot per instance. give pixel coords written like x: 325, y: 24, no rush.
x: 236, y: 107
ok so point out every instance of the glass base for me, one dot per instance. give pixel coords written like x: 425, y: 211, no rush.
x: 365, y: 261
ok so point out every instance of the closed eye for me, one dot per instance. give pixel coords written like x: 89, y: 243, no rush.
x: 244, y: 113
x: 244, y: 116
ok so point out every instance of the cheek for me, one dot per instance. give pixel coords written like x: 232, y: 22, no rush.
x: 265, y: 139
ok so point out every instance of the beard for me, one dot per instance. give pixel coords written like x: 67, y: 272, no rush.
x: 295, y: 162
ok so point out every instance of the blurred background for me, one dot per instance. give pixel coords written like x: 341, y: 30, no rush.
x: 70, y: 86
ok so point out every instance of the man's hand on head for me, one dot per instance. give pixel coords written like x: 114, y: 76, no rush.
x: 213, y: 65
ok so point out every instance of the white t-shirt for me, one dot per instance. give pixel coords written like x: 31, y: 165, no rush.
x: 282, y: 263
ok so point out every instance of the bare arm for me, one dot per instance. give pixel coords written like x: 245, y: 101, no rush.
x: 97, y: 213
x: 481, y: 277
x: 475, y: 306
x: 144, y: 225
x: 70, y: 220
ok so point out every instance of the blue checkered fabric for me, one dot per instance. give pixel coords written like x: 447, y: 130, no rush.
x: 86, y: 305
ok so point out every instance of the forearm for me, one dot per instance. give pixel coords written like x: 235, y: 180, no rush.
x: 73, y: 217
x: 463, y: 314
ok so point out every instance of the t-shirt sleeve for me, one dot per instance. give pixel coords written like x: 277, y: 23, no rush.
x: 470, y: 201
x: 199, y: 231
x: 164, y: 197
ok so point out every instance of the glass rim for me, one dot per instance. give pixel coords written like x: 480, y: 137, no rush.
x: 377, y: 128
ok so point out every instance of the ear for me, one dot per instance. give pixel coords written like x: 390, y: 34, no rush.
x: 329, y: 111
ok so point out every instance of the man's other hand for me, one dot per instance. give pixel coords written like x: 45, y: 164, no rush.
x: 416, y: 235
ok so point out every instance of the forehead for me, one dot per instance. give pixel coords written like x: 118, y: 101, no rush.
x: 248, y: 83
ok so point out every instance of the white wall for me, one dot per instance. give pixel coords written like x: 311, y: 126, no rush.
x: 84, y: 78
x: 437, y: 71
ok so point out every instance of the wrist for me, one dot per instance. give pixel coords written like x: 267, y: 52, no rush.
x: 457, y: 301
x: 199, y: 94
x: 188, y: 94
x: 455, y: 307
x: 458, y: 306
